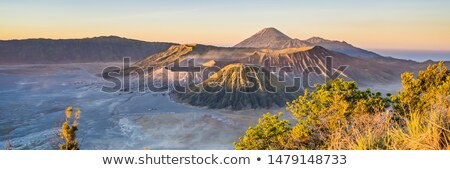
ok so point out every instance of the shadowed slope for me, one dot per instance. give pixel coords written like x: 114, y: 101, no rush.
x: 238, y: 86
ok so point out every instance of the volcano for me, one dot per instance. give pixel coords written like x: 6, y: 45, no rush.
x: 238, y: 86
x: 271, y: 38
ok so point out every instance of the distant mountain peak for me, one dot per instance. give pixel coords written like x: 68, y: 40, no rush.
x: 271, y: 38
x: 315, y: 40
x: 268, y: 38
x: 108, y: 36
x: 271, y: 32
x: 270, y: 28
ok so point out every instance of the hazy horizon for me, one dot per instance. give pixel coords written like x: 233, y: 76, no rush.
x: 415, y: 55
x: 418, y: 25
x: 407, y: 54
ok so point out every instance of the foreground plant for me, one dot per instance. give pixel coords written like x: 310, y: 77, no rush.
x: 339, y: 116
x: 69, y: 129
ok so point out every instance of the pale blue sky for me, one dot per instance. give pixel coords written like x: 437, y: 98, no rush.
x: 381, y: 24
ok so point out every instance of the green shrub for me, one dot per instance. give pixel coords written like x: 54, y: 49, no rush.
x: 339, y: 116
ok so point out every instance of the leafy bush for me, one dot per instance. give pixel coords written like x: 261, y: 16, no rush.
x: 269, y: 133
x: 338, y: 115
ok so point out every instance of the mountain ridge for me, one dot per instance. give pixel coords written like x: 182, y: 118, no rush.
x: 381, y: 69
x: 265, y: 39
x: 95, y: 49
